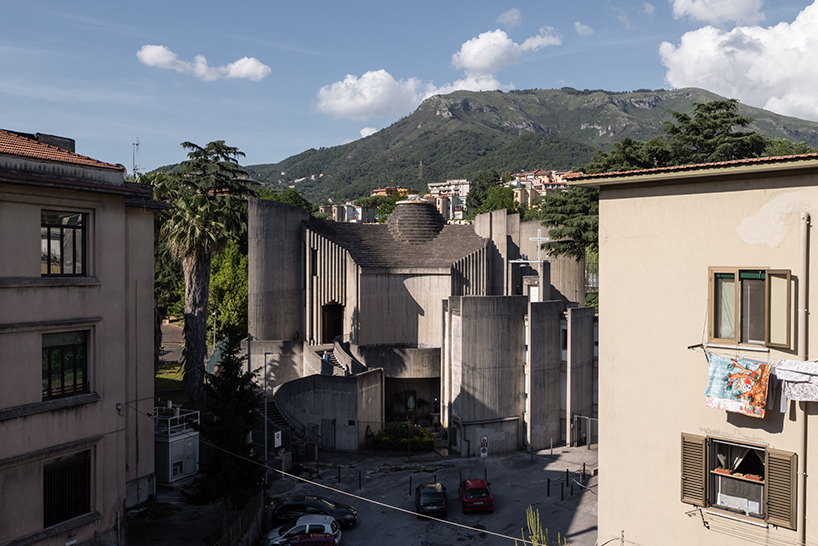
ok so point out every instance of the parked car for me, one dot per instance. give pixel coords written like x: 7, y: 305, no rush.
x: 292, y: 507
x: 430, y: 499
x: 304, y: 525
x: 313, y: 540
x: 475, y: 496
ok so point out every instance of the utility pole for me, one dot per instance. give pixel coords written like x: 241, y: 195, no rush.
x: 135, y: 149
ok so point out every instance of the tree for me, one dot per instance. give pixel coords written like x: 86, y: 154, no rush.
x: 782, y: 146
x: 231, y: 472
x: 483, y: 182
x: 209, y: 209
x: 573, y: 220
x: 709, y: 135
x: 498, y: 197
x: 229, y: 292
x: 289, y: 196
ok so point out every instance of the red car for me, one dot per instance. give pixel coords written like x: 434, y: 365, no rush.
x: 313, y: 540
x: 475, y: 496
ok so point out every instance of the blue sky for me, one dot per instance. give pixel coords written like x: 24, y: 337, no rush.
x: 276, y: 78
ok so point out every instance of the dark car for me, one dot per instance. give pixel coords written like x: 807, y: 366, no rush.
x: 313, y: 540
x: 430, y: 499
x: 292, y: 507
x: 475, y: 496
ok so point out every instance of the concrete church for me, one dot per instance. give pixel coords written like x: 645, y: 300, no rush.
x: 352, y: 325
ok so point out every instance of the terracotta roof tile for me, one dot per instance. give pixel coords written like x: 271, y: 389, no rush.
x: 578, y: 177
x: 18, y: 145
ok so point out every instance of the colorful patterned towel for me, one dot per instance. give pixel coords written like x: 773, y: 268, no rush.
x: 737, y: 385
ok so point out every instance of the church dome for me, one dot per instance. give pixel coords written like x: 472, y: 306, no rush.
x: 415, y: 221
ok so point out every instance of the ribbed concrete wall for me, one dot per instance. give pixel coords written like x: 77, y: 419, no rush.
x: 326, y: 275
x: 276, y: 270
x: 580, y: 365
x: 544, y: 319
x: 470, y: 275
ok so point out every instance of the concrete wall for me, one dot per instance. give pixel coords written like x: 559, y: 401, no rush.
x: 543, y: 418
x: 370, y: 403
x: 491, y: 368
x: 392, y: 308
x: 580, y: 368
x: 338, y: 406
x: 653, y: 302
x: 276, y: 273
x: 285, y: 361
x: 400, y: 362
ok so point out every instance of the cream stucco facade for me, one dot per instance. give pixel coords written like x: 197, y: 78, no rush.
x: 76, y: 447
x: 660, y: 233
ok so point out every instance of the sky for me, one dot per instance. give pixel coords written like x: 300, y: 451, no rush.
x: 277, y: 78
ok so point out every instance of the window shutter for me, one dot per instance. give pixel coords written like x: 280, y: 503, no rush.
x: 779, y: 310
x: 694, y: 469
x: 782, y: 469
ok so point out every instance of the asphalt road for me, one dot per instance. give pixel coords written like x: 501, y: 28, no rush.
x: 516, y: 483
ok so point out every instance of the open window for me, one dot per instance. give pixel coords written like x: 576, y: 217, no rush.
x: 740, y: 479
x: 751, y: 306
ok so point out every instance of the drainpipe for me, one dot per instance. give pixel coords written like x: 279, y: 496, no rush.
x: 803, y: 312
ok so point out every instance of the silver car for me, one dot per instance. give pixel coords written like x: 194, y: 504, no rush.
x: 301, y: 526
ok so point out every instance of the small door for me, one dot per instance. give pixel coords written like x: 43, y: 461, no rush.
x: 332, y: 322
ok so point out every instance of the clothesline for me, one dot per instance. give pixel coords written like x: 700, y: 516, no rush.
x: 747, y: 385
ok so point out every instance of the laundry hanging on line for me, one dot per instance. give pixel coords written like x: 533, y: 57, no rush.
x: 738, y: 385
x: 799, y: 379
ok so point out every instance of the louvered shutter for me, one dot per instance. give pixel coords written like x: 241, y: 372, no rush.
x: 694, y: 469
x: 782, y: 470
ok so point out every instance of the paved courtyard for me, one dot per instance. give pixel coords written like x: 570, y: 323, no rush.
x: 516, y: 484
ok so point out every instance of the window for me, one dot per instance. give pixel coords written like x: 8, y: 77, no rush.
x: 66, y: 488
x: 741, y: 479
x: 65, y: 364
x: 750, y: 306
x: 62, y: 242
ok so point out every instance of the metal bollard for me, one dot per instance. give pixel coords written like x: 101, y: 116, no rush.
x: 572, y: 488
x: 410, y: 486
x: 562, y: 490
x: 548, y: 488
x: 583, y: 472
x: 567, y: 477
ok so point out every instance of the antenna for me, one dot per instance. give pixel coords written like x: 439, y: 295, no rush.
x: 135, y: 149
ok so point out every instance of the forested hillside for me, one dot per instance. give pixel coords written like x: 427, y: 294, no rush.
x: 460, y: 134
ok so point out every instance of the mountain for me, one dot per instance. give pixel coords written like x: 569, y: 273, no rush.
x: 460, y: 134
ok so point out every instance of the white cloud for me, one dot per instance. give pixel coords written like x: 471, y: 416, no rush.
x: 511, y: 18
x: 366, y: 131
x: 767, y: 67
x: 648, y: 9
x: 161, y: 57
x: 374, y: 94
x: 377, y: 93
x: 583, y: 29
x: 493, y: 51
x: 719, y: 11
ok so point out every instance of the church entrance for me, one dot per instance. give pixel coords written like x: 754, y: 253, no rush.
x: 332, y: 321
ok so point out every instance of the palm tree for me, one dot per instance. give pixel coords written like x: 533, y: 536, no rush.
x: 209, y: 209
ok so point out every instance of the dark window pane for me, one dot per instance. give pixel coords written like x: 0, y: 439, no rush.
x: 752, y: 310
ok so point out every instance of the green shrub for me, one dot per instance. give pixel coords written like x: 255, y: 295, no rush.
x: 396, y: 437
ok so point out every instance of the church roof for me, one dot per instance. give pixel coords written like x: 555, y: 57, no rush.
x: 415, y: 236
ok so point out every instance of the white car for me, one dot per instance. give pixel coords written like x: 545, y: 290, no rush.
x: 302, y: 526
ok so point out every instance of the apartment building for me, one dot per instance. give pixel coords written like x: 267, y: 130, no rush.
x: 76, y: 331
x: 708, y: 394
